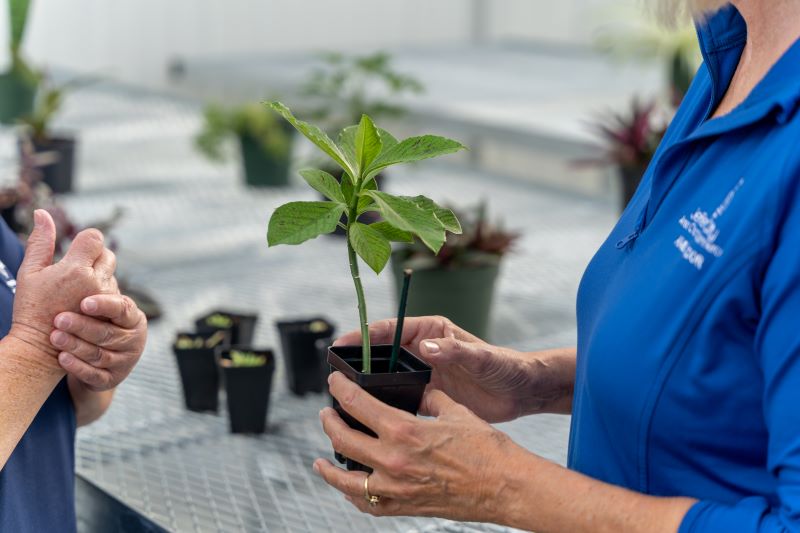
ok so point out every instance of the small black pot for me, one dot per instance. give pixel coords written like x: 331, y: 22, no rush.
x: 199, y: 371
x: 57, y: 173
x: 241, y: 330
x: 305, y: 366
x: 248, y: 390
x: 402, y: 389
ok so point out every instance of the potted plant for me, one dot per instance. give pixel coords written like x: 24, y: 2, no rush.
x: 338, y: 92
x: 458, y: 282
x: 305, y: 369
x: 248, y: 382
x: 197, y: 364
x: 58, y: 168
x: 361, y: 152
x: 19, y: 83
x: 241, y: 326
x: 265, y: 143
x: 631, y: 140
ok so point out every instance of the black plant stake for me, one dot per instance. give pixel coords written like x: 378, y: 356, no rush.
x: 401, y: 315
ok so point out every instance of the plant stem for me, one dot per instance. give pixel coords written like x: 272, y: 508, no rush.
x: 366, y: 365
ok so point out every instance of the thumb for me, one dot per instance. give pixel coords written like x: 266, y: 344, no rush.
x: 472, y: 356
x: 41, y: 243
x: 436, y: 403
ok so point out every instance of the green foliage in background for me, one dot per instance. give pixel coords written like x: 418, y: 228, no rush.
x: 249, y: 120
x: 18, y: 11
x: 633, y: 34
x: 48, y: 104
x: 362, y: 152
x: 340, y: 87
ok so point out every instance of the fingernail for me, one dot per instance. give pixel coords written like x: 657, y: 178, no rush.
x: 315, y: 467
x: 59, y: 338
x: 37, y: 218
x: 65, y: 358
x: 90, y: 305
x: 63, y: 322
x: 431, y: 347
x: 330, y: 378
x: 320, y: 413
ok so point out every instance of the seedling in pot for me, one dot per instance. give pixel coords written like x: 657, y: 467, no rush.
x: 198, y: 368
x: 240, y: 325
x: 305, y: 366
x: 248, y: 382
x: 362, y: 152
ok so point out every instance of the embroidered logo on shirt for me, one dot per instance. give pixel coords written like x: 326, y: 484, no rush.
x: 8, y: 279
x: 702, y: 228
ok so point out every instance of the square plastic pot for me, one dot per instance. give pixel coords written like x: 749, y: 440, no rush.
x: 402, y: 389
x: 199, y: 373
x: 241, y: 330
x: 305, y: 366
x: 247, y: 390
x: 59, y: 171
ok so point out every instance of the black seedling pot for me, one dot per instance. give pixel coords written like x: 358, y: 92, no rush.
x: 402, y: 389
x: 198, y: 369
x: 248, y: 390
x: 59, y: 169
x: 305, y: 366
x: 241, y: 328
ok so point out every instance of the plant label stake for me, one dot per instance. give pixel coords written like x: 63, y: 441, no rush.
x: 401, y: 315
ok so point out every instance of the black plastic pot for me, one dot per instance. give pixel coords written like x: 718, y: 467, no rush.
x: 242, y: 328
x: 402, y: 389
x: 59, y: 169
x: 261, y: 168
x: 305, y: 366
x: 199, y: 371
x: 247, y: 390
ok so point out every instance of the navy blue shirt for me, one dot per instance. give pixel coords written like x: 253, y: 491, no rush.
x: 37, y: 484
x: 688, y: 376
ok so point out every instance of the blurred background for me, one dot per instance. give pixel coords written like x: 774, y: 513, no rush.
x: 145, y: 118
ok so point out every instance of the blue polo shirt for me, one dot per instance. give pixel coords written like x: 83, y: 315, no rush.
x: 37, y: 484
x: 688, y: 377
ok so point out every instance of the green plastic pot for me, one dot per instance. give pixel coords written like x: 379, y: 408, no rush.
x: 261, y: 168
x: 17, y: 95
x: 464, y: 295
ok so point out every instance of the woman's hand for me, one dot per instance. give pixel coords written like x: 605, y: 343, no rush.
x: 45, y: 289
x: 450, y: 466
x: 101, y: 345
x: 497, y: 384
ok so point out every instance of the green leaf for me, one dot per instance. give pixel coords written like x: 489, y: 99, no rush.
x: 387, y: 139
x: 370, y: 245
x: 368, y: 143
x: 365, y: 200
x: 297, y: 222
x: 347, y: 189
x: 391, y: 233
x: 18, y: 19
x: 324, y: 183
x: 414, y: 149
x: 316, y: 136
x: 403, y: 213
x: 445, y: 216
x: 347, y: 142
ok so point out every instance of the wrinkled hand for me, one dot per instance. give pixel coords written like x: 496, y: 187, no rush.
x: 45, y: 289
x: 101, y: 346
x: 495, y: 383
x: 450, y: 466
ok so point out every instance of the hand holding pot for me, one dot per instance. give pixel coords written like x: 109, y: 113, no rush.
x: 449, y: 466
x: 101, y: 345
x: 45, y: 289
x: 497, y: 384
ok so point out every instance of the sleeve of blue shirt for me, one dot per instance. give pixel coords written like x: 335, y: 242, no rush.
x: 777, y: 346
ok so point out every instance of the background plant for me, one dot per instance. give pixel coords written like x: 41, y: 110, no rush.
x: 481, y: 243
x: 249, y: 120
x: 18, y: 11
x: 362, y: 152
x: 242, y: 359
x: 348, y: 86
x: 47, y: 106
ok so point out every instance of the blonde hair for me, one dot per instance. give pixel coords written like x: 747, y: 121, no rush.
x: 672, y: 12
